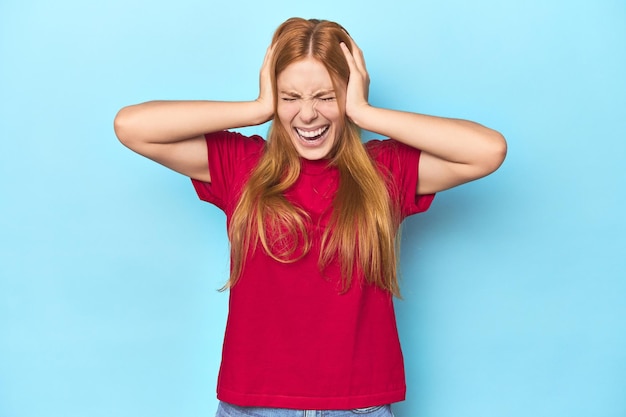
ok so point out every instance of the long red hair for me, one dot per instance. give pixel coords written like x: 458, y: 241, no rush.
x: 362, y: 230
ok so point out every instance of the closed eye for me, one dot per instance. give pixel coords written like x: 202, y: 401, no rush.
x: 328, y: 99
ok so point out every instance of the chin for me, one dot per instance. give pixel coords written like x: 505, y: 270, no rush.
x: 313, y: 156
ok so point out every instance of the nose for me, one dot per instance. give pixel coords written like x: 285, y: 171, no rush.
x: 308, y: 113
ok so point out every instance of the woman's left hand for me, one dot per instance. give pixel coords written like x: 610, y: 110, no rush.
x: 358, y: 84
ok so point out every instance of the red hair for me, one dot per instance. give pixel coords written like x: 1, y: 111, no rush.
x: 364, y: 223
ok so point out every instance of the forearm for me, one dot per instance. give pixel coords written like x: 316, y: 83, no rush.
x: 453, y: 140
x: 174, y: 121
x: 455, y: 151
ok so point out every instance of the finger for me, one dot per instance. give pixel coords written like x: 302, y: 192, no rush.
x: 359, y: 75
x: 268, y: 55
x: 348, y: 55
x: 359, y: 58
x: 265, y: 83
x: 355, y: 58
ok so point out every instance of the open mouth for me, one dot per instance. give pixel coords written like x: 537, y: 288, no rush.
x: 312, y: 136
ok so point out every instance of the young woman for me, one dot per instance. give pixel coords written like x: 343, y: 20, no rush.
x: 312, y: 217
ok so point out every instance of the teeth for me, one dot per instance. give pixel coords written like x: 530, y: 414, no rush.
x: 311, y: 134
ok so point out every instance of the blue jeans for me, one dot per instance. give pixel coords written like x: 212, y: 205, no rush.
x: 230, y: 410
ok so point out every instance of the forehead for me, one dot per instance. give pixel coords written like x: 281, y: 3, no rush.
x: 305, y: 76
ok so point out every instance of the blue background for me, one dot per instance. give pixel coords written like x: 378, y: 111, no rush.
x: 514, y: 286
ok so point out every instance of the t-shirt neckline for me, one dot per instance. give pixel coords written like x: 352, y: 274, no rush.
x: 314, y: 167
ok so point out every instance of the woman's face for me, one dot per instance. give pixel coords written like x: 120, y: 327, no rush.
x: 308, y: 107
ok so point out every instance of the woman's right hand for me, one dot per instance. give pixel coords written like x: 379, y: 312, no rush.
x: 266, y: 93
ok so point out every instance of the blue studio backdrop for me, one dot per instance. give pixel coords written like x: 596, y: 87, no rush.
x: 514, y: 286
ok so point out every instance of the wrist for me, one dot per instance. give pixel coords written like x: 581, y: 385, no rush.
x: 264, y: 111
x: 360, y: 115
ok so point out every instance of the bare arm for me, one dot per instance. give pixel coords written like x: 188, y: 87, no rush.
x: 453, y: 151
x: 172, y: 132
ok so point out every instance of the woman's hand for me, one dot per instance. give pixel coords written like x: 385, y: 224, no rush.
x: 266, y: 93
x: 358, y: 84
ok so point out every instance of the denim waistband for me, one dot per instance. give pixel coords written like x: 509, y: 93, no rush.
x: 229, y: 410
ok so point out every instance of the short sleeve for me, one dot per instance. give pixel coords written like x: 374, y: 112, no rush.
x: 231, y: 158
x: 399, y: 164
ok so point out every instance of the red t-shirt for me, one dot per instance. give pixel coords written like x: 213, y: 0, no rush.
x: 293, y: 340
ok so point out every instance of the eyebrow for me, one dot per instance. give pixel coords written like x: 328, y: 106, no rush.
x: 317, y: 94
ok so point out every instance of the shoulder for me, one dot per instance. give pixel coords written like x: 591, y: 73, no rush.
x: 390, y: 152
x: 399, y: 165
x: 232, y: 156
x: 234, y: 140
x: 233, y: 150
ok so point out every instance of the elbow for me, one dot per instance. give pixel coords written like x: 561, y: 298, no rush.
x: 494, y: 153
x: 128, y: 127
x: 121, y: 126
